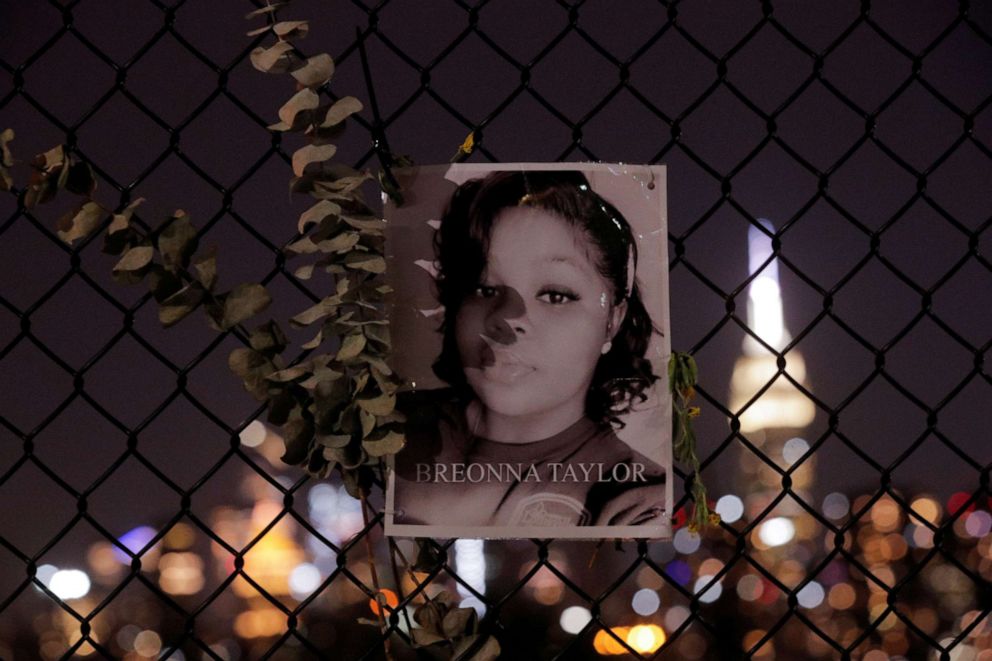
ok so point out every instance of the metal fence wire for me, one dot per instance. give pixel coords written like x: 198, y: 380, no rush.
x: 145, y: 514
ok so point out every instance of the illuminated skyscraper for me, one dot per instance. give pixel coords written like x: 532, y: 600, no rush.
x: 771, y: 409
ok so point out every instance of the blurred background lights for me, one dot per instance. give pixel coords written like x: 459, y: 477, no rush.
x: 69, y: 584
x: 750, y: 587
x: 793, y: 449
x: 385, y: 595
x: 607, y: 644
x: 978, y: 523
x: 730, y: 508
x: 181, y: 573
x: 148, y: 643
x: 675, y: 617
x: 926, y: 508
x: 645, y: 602
x: 574, y: 618
x: 777, y: 531
x: 254, y: 434
x: 646, y: 638
x: 686, y: 542
x: 303, y: 580
x: 44, y: 573
x: 680, y: 572
x: 811, y: 595
x: 134, y: 540
x: 836, y: 506
x: 885, y: 515
x: 712, y: 593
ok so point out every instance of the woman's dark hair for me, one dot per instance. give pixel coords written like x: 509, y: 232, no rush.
x: 461, y: 244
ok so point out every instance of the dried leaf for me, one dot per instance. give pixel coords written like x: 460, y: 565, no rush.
x: 80, y: 223
x: 304, y: 156
x: 206, y: 268
x: 177, y: 241
x: 119, y: 234
x: 267, y: 9
x: 6, y: 158
x: 351, y: 346
x: 343, y: 242
x: 316, y: 214
x: 459, y: 622
x: 284, y: 30
x: 179, y: 305
x: 317, y: 71
x: 304, y: 246
x: 341, y: 110
x: 381, y: 405
x: 273, y: 60
x: 425, y: 638
x: 135, y: 259
x: 48, y: 176
x: 315, y: 342
x: 268, y: 339
x: 304, y: 272
x: 51, y: 160
x: 302, y: 101
x: 242, y: 303
x: 350, y: 456
x: 366, y: 262
x: 368, y: 423
x: 162, y: 282
x: 391, y: 443
x: 334, y: 440
x: 290, y: 373
x: 364, y: 223
x: 297, y: 433
x: 318, y: 311
x: 80, y: 179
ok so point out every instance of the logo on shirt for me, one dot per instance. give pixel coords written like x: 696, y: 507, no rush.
x: 549, y: 509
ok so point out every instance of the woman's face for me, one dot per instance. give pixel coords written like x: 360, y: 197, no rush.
x: 531, y: 333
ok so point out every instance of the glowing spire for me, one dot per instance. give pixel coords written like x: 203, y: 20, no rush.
x: 764, y: 296
x: 781, y: 405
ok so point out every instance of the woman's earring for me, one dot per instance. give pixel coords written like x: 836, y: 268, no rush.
x: 606, y: 347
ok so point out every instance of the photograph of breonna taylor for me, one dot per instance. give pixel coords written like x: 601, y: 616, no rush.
x: 530, y: 320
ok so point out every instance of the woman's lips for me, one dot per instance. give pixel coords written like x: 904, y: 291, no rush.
x: 502, y: 365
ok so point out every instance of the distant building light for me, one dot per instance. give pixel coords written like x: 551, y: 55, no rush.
x: 574, y: 618
x: 44, y: 574
x: 709, y: 594
x: 645, y: 602
x: 794, y: 449
x: 730, y: 508
x: 777, y: 531
x: 646, y: 638
x: 69, y: 584
x: 811, y: 595
x: 686, y: 542
x: 836, y: 506
x: 303, y: 580
x: 254, y: 434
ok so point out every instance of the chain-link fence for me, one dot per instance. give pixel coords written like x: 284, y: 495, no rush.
x: 144, y: 514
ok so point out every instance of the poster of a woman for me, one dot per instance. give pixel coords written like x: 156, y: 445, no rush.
x: 530, y: 317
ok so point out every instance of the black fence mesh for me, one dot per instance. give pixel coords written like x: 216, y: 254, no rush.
x: 145, y: 514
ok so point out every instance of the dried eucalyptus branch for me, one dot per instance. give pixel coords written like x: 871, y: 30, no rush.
x: 166, y: 258
x: 337, y: 407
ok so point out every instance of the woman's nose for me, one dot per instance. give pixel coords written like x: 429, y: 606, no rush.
x: 507, y: 316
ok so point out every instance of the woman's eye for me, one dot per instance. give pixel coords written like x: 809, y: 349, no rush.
x: 557, y: 297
